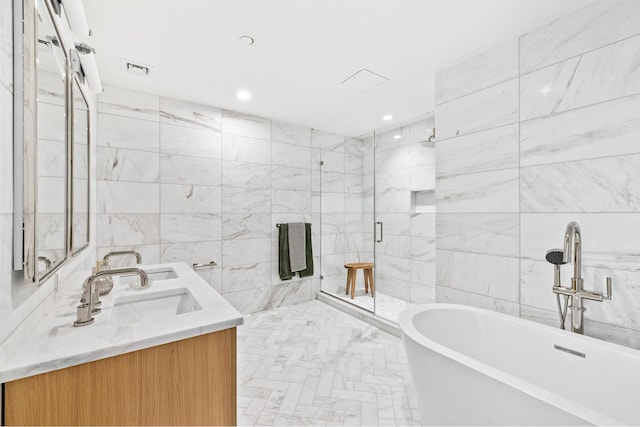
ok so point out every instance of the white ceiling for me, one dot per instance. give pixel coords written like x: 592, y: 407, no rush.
x: 303, y: 50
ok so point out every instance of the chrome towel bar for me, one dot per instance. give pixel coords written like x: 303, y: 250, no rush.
x: 197, y: 266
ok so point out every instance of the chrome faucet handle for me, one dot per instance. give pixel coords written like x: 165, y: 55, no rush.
x: 607, y: 296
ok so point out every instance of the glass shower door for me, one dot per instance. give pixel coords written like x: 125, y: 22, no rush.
x: 346, y: 206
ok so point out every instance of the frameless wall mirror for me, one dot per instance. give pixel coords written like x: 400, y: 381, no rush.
x: 79, y: 169
x: 50, y: 245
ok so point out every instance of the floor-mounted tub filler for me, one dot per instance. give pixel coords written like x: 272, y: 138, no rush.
x: 478, y: 367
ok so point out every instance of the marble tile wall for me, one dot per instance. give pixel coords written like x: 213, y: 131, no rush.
x: 534, y: 134
x: 185, y: 182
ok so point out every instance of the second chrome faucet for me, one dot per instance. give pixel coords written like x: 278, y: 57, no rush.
x: 90, y: 301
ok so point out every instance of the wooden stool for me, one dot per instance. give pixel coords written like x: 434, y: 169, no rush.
x: 352, y: 269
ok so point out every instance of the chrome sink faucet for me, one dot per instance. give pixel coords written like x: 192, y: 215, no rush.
x: 105, y: 260
x: 90, y: 301
x: 573, y: 253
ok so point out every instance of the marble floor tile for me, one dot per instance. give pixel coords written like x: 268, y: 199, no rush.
x: 310, y: 364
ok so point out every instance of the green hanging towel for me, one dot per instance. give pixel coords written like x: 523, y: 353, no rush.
x: 284, y: 266
x: 308, y: 249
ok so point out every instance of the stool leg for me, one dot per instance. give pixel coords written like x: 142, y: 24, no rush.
x: 348, y: 281
x: 370, y: 271
x: 366, y: 281
x: 353, y: 283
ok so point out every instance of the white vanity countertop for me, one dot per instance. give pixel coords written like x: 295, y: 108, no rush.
x: 55, y: 343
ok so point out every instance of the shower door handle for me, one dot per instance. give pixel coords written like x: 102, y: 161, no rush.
x: 381, y: 231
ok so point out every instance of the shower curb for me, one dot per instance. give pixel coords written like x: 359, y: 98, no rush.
x: 365, y: 316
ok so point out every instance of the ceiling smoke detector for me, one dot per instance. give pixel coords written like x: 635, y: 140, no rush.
x: 136, y: 68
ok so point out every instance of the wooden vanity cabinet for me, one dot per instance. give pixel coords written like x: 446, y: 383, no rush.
x: 187, y: 382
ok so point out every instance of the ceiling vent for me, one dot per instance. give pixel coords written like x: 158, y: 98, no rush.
x: 135, y: 68
x: 364, y: 80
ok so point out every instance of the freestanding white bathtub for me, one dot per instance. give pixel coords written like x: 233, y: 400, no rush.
x: 477, y: 367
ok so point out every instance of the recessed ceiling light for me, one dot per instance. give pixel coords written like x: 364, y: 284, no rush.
x: 387, y: 117
x: 246, y: 40
x: 243, y: 95
x: 397, y: 136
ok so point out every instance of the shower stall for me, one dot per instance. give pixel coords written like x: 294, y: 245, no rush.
x: 378, y: 208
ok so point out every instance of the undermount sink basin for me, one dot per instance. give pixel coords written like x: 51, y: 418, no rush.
x: 152, y: 306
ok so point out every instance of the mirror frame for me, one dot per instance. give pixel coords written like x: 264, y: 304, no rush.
x: 29, y: 149
x: 76, y: 80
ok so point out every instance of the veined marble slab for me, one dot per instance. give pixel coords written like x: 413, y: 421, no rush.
x: 193, y: 252
x: 423, y: 224
x: 423, y: 248
x: 129, y: 103
x: 254, y: 300
x: 244, y: 174
x: 190, y: 199
x: 291, y: 134
x: 479, y: 192
x: 191, y: 115
x: 609, y: 240
x: 493, y: 276
x: 423, y: 273
x: 489, y: 108
x: 331, y: 244
x: 332, y: 182
x: 190, y: 141
x: 239, y: 200
x: 245, y: 251
x: 127, y: 165
x: 290, y: 155
x: 490, y: 233
x: 55, y: 344
x: 246, y: 149
x: 393, y: 267
x: 244, y: 277
x: 333, y: 161
x: 393, y: 201
x: 597, y: 25
x: 284, y: 201
x: 332, y: 203
x: 287, y: 178
x: 236, y: 123
x: 610, y: 184
x: 602, y: 75
x: 190, y: 170
x: 423, y: 178
x: 126, y: 132
x: 456, y: 296
x: 128, y: 197
x: 392, y: 139
x: 487, y: 69
x: 606, y: 129
x: 246, y: 226
x: 175, y: 228
x: 483, y: 151
x: 127, y: 229
x: 327, y: 141
x: 422, y: 154
x: 395, y: 245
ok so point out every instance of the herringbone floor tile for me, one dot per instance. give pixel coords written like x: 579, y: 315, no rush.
x: 310, y: 364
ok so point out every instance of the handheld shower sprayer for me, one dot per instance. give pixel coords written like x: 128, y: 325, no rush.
x: 556, y: 257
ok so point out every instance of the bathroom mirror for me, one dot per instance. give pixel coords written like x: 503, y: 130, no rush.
x: 50, y: 244
x: 79, y: 169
